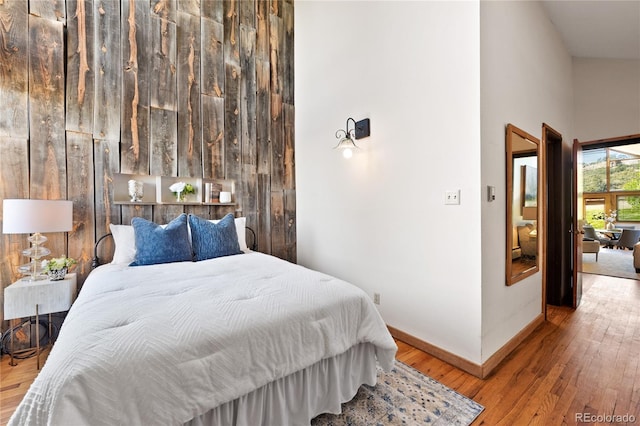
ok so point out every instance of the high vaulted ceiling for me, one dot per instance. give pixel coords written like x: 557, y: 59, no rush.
x: 598, y: 28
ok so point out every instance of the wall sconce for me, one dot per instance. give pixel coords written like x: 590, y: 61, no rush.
x: 347, y: 145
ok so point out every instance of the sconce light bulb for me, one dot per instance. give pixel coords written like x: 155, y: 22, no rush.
x: 347, y: 153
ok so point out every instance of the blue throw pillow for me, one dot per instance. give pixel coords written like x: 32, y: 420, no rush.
x: 155, y: 244
x: 211, y: 240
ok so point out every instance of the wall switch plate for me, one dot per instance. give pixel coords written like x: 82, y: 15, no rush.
x: 491, y: 193
x: 452, y: 197
x: 376, y: 298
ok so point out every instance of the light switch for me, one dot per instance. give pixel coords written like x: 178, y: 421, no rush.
x: 452, y: 197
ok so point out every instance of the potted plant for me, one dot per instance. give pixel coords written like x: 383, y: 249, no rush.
x: 180, y: 189
x: 57, y: 267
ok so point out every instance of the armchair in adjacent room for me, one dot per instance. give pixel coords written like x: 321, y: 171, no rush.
x: 590, y: 234
x: 591, y: 242
x: 527, y: 237
x: 628, y: 239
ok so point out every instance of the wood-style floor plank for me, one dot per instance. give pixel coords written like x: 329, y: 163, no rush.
x: 584, y: 361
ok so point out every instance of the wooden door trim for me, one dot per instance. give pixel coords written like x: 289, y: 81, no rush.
x: 546, y: 132
x: 576, y: 229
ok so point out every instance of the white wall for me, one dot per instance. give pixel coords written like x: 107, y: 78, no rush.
x: 526, y: 80
x: 607, y: 100
x: 379, y: 219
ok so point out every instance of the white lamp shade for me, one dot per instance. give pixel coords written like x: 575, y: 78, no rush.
x: 30, y: 216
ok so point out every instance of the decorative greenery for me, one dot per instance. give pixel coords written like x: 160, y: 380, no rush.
x: 180, y: 189
x: 58, y: 263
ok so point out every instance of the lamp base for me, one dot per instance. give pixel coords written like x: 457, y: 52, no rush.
x: 35, y: 252
x: 31, y: 278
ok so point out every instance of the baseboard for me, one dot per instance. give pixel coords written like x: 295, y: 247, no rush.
x: 480, y: 371
x: 448, y: 357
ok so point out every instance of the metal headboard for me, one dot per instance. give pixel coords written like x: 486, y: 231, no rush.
x: 95, y: 262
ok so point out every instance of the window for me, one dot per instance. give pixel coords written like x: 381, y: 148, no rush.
x: 594, y: 211
x: 611, y: 181
x: 628, y: 207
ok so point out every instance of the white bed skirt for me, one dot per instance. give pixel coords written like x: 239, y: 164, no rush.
x: 301, y: 396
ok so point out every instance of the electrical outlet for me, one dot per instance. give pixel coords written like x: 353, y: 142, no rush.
x: 452, y: 197
x: 376, y: 298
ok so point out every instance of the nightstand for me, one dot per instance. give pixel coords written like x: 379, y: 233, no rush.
x: 32, y: 298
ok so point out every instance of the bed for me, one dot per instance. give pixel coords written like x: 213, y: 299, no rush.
x: 244, y: 339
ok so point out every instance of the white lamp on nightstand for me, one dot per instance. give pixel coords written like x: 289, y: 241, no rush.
x: 26, y: 216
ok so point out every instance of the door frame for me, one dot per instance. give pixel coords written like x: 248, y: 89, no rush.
x: 549, y: 136
x: 578, y: 147
x: 577, y: 223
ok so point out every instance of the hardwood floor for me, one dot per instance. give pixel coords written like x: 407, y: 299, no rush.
x: 585, y: 363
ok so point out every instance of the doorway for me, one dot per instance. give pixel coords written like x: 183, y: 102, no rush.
x: 558, y: 250
x: 611, y: 202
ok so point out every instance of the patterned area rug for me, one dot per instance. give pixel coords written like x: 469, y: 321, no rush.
x: 611, y: 262
x: 404, y: 396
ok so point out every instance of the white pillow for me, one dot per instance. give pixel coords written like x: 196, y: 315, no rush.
x: 125, y: 240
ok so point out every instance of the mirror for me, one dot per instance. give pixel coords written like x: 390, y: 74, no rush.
x: 523, y: 177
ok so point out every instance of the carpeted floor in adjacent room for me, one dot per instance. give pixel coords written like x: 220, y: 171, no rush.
x: 611, y: 262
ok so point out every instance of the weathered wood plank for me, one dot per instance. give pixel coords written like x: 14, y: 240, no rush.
x: 165, y: 9
x: 106, y: 163
x: 290, y: 240
x: 262, y: 30
x: 232, y: 154
x: 131, y: 211
x: 249, y: 203
x: 248, y: 13
x: 108, y: 67
x: 189, y: 116
x: 163, y: 44
x: 263, y: 229
x: 46, y: 118
x: 49, y: 9
x: 289, y: 118
x: 165, y: 213
x: 134, y: 143
x: 212, y: 57
x: 14, y: 183
x: 14, y: 65
x: 287, y: 54
x: 163, y: 138
x: 80, y: 62
x: 163, y: 92
x: 80, y: 190
x: 278, y: 229
x: 276, y: 7
x: 276, y: 136
x: 213, y: 136
x: 191, y: 7
x: 213, y: 9
x: 248, y: 92
x: 231, y: 30
x: 276, y: 47
x: 263, y: 117
x: 200, y: 211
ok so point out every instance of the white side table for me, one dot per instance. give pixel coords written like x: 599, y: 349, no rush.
x: 28, y: 298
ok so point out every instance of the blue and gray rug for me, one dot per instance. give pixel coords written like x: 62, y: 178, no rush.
x: 404, y: 396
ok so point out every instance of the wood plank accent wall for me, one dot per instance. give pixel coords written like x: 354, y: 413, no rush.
x: 194, y: 88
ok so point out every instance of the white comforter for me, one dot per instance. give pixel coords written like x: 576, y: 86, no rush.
x: 163, y: 344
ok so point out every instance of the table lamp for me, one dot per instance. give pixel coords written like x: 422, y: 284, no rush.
x: 26, y: 216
